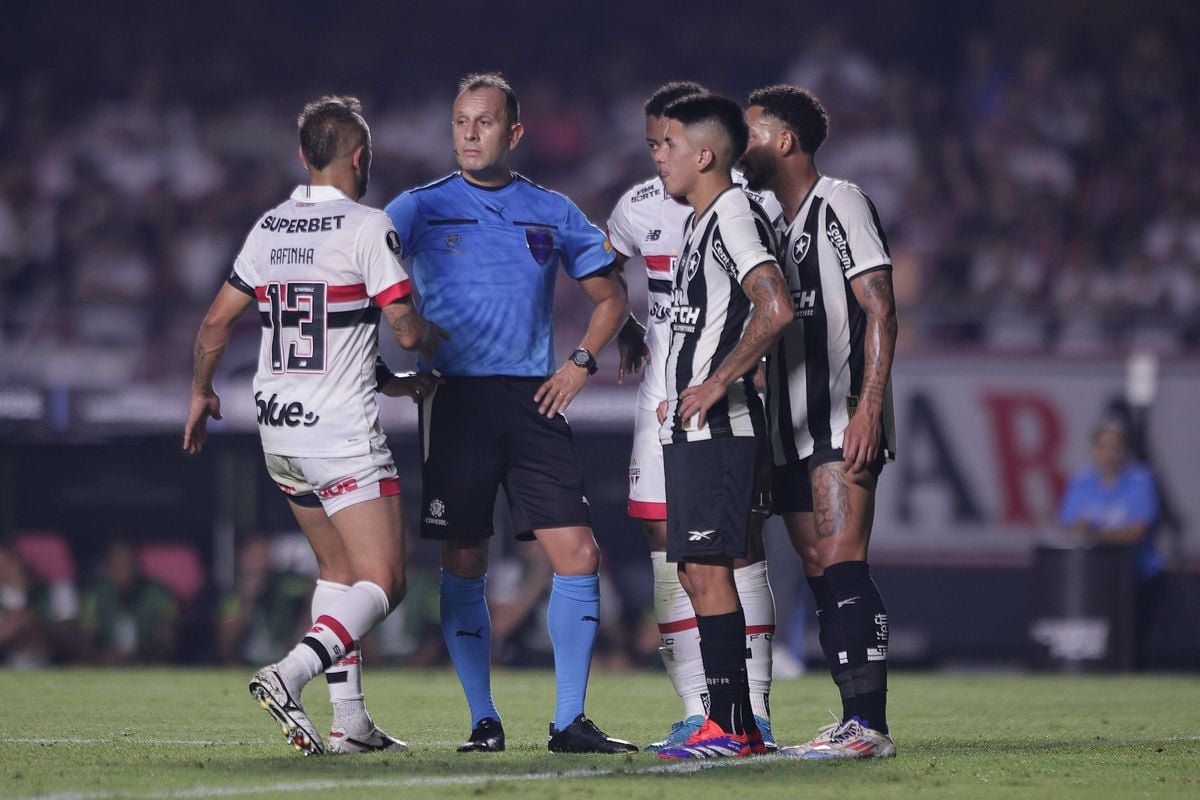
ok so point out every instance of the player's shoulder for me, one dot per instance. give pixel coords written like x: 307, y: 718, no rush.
x: 840, y: 191
x: 642, y: 193
x: 734, y: 200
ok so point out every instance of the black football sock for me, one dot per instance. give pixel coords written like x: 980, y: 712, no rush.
x: 862, y: 618
x: 723, y: 649
x: 829, y: 633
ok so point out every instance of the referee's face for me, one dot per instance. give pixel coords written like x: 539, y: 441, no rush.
x: 483, y: 135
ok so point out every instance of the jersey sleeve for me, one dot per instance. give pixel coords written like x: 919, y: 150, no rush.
x: 378, y: 253
x: 741, y: 241
x: 852, y: 227
x: 620, y: 229
x: 402, y: 211
x: 586, y: 248
x: 244, y: 275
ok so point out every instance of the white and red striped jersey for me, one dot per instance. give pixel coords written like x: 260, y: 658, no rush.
x: 647, y: 222
x: 321, y: 266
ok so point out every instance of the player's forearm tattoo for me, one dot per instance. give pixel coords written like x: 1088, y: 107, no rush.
x: 879, y: 302
x: 831, y: 501
x: 408, y: 327
x: 767, y: 291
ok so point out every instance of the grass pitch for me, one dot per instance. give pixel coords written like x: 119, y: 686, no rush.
x: 88, y: 734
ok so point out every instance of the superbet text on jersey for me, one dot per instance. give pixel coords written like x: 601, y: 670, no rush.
x: 321, y: 266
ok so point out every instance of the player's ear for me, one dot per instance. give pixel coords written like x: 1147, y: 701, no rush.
x: 705, y: 157
x: 514, y: 135
x: 787, y: 142
x: 303, y: 160
x: 356, y: 157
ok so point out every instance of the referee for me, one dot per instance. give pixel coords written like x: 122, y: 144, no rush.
x: 484, y: 246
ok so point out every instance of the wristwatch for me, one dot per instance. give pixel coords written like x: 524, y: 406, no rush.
x: 584, y: 358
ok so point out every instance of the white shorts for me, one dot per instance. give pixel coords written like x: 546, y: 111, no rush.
x: 647, y: 483
x: 335, y: 483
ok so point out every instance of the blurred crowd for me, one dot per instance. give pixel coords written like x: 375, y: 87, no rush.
x: 1039, y: 198
x: 156, y: 602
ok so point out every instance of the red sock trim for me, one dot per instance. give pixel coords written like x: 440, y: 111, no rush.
x: 338, y: 630
x: 676, y: 627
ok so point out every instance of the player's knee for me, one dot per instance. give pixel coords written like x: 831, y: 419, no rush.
x: 464, y: 562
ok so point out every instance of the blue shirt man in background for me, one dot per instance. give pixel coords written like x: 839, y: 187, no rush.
x: 1115, y: 502
x: 484, y: 246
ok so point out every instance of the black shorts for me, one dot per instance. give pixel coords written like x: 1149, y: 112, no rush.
x: 481, y: 433
x: 791, y: 484
x: 709, y: 488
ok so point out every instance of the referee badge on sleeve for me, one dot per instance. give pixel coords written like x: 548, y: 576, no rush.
x: 541, y: 244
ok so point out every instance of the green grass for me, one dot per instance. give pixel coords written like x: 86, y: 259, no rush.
x: 84, y: 733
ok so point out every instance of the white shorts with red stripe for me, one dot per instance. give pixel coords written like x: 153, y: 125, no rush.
x: 336, y: 483
x: 647, y: 482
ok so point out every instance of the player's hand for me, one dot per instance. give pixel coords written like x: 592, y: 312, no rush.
x: 697, y: 400
x: 631, y: 344
x: 760, y: 376
x: 416, y: 385
x: 431, y: 340
x: 560, y: 389
x: 662, y: 411
x: 195, y: 430
x: 860, y: 443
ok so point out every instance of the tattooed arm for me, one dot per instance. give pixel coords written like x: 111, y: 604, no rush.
x: 412, y: 331
x: 211, y: 342
x: 864, y: 434
x: 771, y: 312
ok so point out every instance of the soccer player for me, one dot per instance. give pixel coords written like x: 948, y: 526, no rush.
x: 829, y: 403
x: 729, y: 303
x: 485, y: 246
x: 648, y: 222
x: 322, y: 269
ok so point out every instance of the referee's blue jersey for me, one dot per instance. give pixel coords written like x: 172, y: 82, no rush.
x: 485, y: 261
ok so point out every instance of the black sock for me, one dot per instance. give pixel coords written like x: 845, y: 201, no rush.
x: 829, y: 633
x: 723, y: 649
x: 862, y: 619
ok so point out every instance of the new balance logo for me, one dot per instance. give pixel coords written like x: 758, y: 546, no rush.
x: 589, y: 618
x: 653, y: 236
x: 700, y: 536
x: 849, y: 601
x: 477, y: 633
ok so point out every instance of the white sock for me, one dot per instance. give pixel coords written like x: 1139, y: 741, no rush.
x: 679, y: 640
x: 335, y: 633
x: 754, y: 590
x: 344, y: 678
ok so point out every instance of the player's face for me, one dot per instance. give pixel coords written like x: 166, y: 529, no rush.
x: 677, y: 160
x: 483, y: 135
x: 758, y: 162
x: 654, y: 134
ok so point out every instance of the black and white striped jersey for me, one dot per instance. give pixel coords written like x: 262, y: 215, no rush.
x: 709, y: 312
x: 815, y: 370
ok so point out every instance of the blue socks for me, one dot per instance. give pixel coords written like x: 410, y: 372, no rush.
x: 574, y: 622
x: 467, y: 629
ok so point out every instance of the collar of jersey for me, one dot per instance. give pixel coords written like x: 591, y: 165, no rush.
x: 317, y: 194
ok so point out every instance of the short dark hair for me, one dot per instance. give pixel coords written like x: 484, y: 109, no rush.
x: 493, y: 80
x: 330, y: 126
x: 797, y: 108
x: 724, y: 112
x: 668, y: 93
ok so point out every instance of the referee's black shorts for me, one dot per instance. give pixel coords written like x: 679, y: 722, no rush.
x: 480, y: 433
x: 709, y: 491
